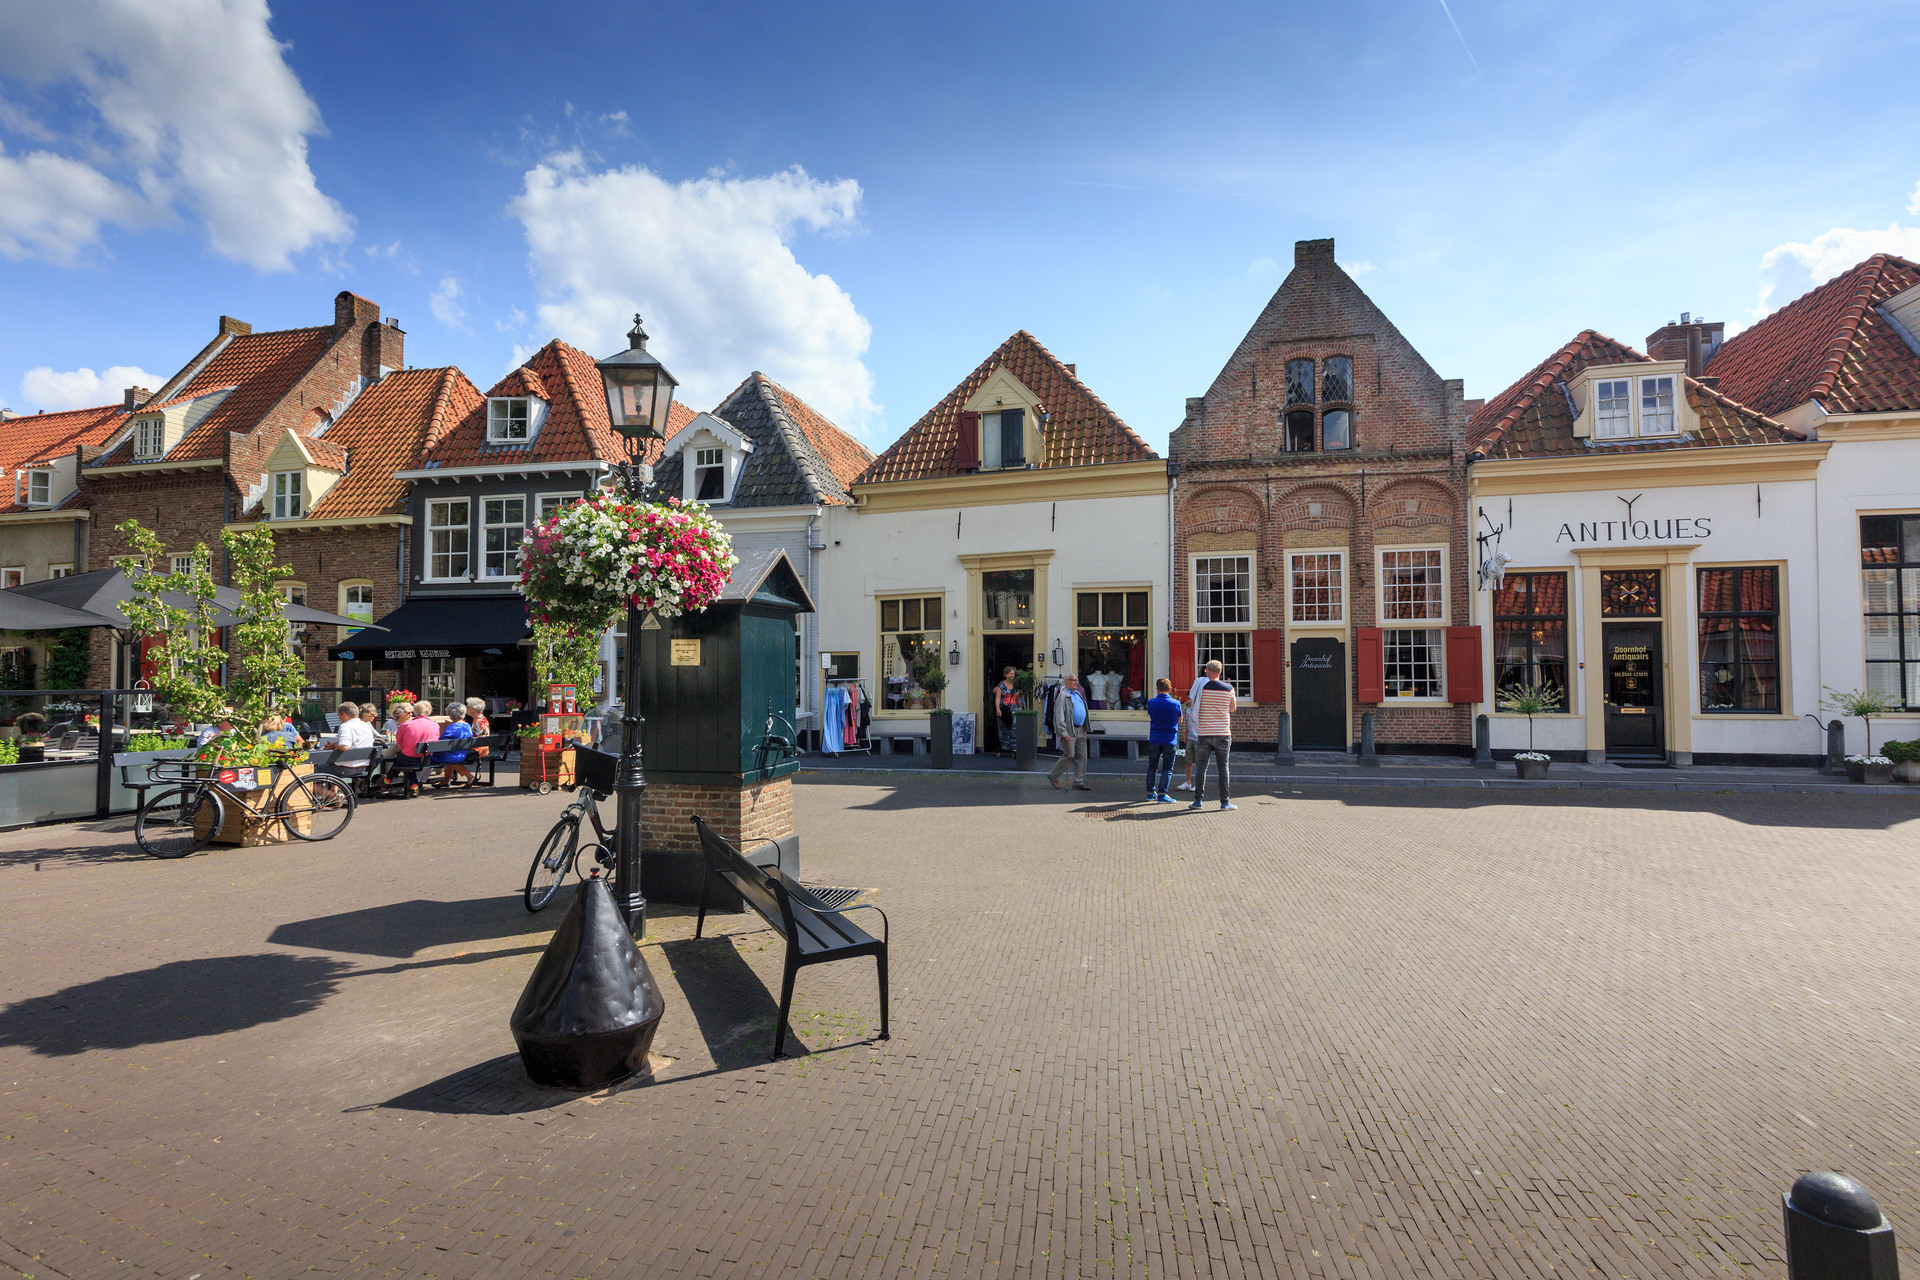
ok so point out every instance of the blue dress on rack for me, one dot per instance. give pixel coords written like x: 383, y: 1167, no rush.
x: 833, y: 715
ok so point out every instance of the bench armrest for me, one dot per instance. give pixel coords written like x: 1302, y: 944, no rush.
x: 804, y: 896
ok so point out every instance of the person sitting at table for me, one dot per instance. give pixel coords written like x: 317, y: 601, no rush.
x: 275, y: 731
x: 354, y: 733
x: 410, y: 738
x: 218, y: 729
x: 452, y: 764
x: 370, y: 717
x: 477, y: 717
x: 422, y: 709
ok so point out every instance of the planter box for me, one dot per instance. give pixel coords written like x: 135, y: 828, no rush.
x: 1907, y: 771
x: 1872, y: 774
x: 1532, y: 770
x: 249, y: 830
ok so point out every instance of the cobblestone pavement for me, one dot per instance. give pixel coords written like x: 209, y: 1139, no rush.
x: 1340, y: 1032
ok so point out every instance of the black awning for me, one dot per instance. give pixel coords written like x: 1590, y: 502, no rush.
x: 441, y: 627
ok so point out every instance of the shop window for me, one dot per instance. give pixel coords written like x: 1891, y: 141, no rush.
x: 1110, y: 647
x: 288, y: 498
x: 1003, y: 439
x: 1530, y: 631
x: 295, y: 593
x: 1739, y: 640
x: 1630, y: 593
x: 1410, y: 662
x: 1890, y: 588
x: 39, y: 488
x: 709, y: 475
x: 440, y: 682
x: 1006, y: 602
x: 910, y: 641
x: 1613, y: 409
x: 503, y: 523
x: 1336, y: 380
x: 1233, y: 650
x: 447, y: 538
x: 1299, y: 382
x: 1300, y: 431
x: 1336, y: 429
x: 1316, y: 587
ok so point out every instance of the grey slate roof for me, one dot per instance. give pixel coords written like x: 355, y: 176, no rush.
x: 770, y: 570
x: 795, y: 451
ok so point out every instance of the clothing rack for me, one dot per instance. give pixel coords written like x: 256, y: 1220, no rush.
x: 863, y: 722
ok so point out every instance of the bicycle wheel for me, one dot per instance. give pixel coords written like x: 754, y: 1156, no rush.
x: 178, y: 821
x: 316, y: 807
x: 553, y: 861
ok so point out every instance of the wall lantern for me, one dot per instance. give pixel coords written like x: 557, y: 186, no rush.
x: 953, y: 654
x: 1059, y: 654
x: 639, y: 389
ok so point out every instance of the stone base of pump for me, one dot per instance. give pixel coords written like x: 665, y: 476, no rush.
x: 672, y: 866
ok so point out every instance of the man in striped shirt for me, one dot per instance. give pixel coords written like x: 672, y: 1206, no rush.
x: 1213, y: 702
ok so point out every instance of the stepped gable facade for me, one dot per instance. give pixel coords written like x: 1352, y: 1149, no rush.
x: 1320, y: 527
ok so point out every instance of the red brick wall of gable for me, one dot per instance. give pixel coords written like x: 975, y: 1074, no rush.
x: 182, y: 508
x: 325, y: 558
x: 1234, y: 477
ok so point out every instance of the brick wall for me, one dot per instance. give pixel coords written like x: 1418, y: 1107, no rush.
x: 182, y: 508
x: 743, y: 815
x: 327, y: 557
x: 1402, y: 481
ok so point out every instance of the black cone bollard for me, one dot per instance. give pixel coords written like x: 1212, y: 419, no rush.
x: 1836, y: 1232
x: 588, y: 1014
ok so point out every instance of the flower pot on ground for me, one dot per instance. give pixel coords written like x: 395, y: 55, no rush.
x: 1532, y: 764
x: 1873, y: 770
x: 1907, y: 771
x: 940, y: 726
x: 1906, y: 759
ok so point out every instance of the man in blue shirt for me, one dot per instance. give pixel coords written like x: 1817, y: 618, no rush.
x: 1070, y: 726
x: 1163, y: 729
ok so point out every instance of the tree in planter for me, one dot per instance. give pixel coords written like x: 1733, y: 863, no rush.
x: 1024, y: 684
x: 269, y: 675
x: 1864, y: 703
x: 178, y: 609
x: 931, y: 677
x: 1531, y: 700
x: 563, y: 654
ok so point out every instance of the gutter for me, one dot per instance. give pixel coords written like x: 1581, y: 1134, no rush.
x: 591, y: 465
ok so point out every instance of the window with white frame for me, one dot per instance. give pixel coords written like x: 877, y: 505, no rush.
x: 447, y: 538
x: 149, y: 437
x: 39, y: 488
x: 289, y: 496
x: 550, y: 504
x: 1223, y: 617
x: 503, y: 523
x: 59, y: 571
x: 1316, y: 587
x: 709, y: 475
x: 356, y: 602
x: 12, y: 576
x: 294, y: 593
x: 509, y: 420
x: 182, y: 564
x: 1003, y: 439
x: 1612, y: 408
x: 1413, y: 589
x: 1656, y: 406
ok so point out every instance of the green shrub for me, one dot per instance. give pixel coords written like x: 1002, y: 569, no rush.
x: 9, y: 751
x: 145, y: 741
x: 1902, y: 752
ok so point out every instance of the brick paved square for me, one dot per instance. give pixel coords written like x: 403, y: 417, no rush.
x: 1341, y: 1032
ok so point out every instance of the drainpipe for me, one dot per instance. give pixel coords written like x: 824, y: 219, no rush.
x: 810, y: 659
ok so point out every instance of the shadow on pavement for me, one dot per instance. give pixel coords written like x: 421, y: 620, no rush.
x: 497, y: 1087
x: 183, y: 1000
x: 405, y: 929
x: 729, y: 1000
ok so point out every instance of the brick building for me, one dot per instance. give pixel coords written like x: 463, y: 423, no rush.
x: 1320, y: 532
x: 198, y: 454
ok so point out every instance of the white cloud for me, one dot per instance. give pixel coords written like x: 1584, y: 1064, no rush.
x: 709, y: 263
x: 1263, y: 269
x: 189, y: 104
x: 1789, y: 270
x: 1356, y: 268
x: 47, y: 388
x: 445, y: 303
x: 1913, y: 201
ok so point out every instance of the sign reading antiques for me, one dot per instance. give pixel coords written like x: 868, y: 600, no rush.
x: 1675, y: 529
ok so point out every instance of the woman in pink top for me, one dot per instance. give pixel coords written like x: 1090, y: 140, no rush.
x: 413, y: 732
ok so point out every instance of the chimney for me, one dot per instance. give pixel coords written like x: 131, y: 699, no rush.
x: 7, y: 413
x: 1313, y: 253
x: 1688, y: 338
x: 238, y: 328
x: 137, y: 396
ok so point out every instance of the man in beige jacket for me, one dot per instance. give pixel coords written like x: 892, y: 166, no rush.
x: 1070, y: 727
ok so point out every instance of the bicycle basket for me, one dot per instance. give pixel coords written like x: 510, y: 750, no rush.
x: 594, y: 770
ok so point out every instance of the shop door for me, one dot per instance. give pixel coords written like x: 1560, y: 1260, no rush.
x: 1636, y: 718
x: 997, y: 653
x: 1319, y: 694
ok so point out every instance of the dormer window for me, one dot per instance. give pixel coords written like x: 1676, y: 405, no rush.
x: 1613, y: 408
x: 709, y: 474
x: 509, y: 420
x: 289, y: 495
x: 149, y: 437
x: 39, y: 488
x: 1656, y: 406
x: 1615, y: 401
x: 1003, y: 439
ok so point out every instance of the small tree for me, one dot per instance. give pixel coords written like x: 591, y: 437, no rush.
x: 1024, y: 683
x: 268, y: 675
x: 178, y: 610
x: 565, y: 655
x: 1864, y: 703
x: 1531, y: 700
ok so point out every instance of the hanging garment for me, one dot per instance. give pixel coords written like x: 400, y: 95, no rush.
x: 848, y: 733
x: 833, y: 714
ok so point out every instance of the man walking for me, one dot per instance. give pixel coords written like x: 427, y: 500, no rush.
x: 1213, y: 734
x: 1070, y: 726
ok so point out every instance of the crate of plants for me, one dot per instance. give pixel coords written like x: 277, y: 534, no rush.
x: 260, y: 773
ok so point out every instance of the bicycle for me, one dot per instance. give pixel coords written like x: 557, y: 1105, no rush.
x: 560, y: 851
x: 183, y: 818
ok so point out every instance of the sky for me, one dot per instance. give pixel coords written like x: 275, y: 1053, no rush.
x: 862, y: 200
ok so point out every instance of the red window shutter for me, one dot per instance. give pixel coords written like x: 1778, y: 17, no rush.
x: 1180, y: 661
x: 149, y: 664
x: 966, y: 449
x: 1269, y: 666
x: 1463, y: 664
x: 1370, y: 660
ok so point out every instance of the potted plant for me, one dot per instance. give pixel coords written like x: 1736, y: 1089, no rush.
x: 32, y: 728
x: 1531, y: 700
x: 933, y: 680
x: 1026, y: 718
x: 1866, y: 704
x: 1906, y: 759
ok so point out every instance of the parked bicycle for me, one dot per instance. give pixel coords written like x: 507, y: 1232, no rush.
x: 183, y: 818
x: 559, y: 853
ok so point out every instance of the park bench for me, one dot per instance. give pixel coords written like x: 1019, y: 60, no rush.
x: 816, y: 933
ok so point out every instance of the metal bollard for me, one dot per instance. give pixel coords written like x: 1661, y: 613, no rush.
x: 1369, y: 758
x: 1836, y: 1232
x: 1283, y: 754
x: 1836, y: 761
x: 1482, y: 742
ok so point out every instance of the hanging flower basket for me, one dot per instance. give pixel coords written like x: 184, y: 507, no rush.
x: 585, y: 564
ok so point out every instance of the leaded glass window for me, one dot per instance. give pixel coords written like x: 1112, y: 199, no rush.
x: 1299, y: 382
x: 1336, y: 380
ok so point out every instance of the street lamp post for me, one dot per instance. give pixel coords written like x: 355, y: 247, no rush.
x: 639, y: 394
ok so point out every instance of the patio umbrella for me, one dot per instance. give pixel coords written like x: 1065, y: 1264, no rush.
x: 24, y: 613
x: 102, y: 591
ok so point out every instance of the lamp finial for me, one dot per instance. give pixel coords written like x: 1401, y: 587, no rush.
x: 636, y: 336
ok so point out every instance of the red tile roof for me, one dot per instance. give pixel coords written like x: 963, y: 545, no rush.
x: 577, y: 428
x: 260, y: 367
x: 40, y: 437
x: 1830, y: 345
x: 1082, y: 431
x: 844, y: 456
x: 1533, y: 418
x: 383, y: 431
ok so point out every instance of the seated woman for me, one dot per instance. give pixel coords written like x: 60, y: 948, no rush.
x: 477, y: 717
x: 452, y: 763
x: 275, y: 731
x: 411, y: 735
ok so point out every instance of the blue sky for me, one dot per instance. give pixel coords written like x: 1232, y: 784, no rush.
x: 862, y: 201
